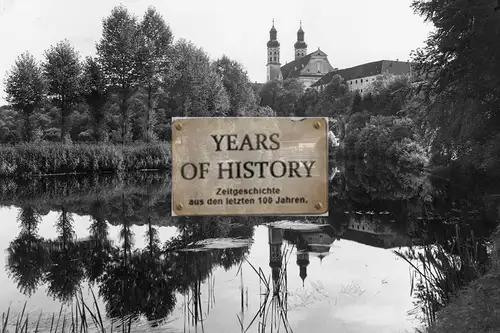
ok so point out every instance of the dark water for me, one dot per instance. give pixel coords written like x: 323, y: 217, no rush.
x: 62, y: 236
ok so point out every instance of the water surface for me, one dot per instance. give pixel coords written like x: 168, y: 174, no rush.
x: 116, y: 236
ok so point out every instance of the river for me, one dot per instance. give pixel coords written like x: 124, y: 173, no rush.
x: 66, y: 236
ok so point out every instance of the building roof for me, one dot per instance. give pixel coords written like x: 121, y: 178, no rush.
x: 368, y: 69
x: 273, y: 43
x: 300, y: 45
x: 293, y: 68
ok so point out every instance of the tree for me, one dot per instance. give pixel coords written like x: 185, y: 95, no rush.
x: 25, y: 88
x: 282, y: 96
x: 269, y: 93
x: 460, y: 75
x: 62, y: 69
x: 120, y: 58
x: 387, y: 95
x: 9, y: 125
x: 334, y: 98
x: 307, y: 103
x: 95, y: 94
x: 357, y: 102
x: 236, y: 83
x: 292, y: 90
x: 156, y: 57
x: 194, y: 88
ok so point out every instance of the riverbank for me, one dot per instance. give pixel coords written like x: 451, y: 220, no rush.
x: 477, y: 307
x: 28, y: 160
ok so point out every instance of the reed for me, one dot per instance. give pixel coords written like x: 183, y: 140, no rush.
x: 26, y: 160
x: 82, y: 318
x: 272, y: 314
x: 437, y: 276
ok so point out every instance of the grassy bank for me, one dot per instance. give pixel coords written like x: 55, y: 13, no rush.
x: 34, y: 159
x: 476, y: 308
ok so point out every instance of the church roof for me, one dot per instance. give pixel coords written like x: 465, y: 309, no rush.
x: 300, y: 45
x: 293, y: 68
x: 364, y: 70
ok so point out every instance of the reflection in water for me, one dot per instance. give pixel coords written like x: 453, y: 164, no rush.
x: 381, y: 206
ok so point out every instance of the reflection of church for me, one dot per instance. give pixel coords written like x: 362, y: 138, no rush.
x: 275, y: 255
x: 308, y: 243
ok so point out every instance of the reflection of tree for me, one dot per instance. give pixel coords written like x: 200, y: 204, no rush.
x: 64, y: 227
x: 27, y: 259
x: 96, y: 256
x: 141, y: 286
x: 66, y: 271
x: 155, y: 285
x: 137, y: 282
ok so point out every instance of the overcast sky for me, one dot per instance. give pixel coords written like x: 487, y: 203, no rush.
x: 350, y: 32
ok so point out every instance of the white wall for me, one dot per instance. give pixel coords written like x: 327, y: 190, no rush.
x: 361, y: 84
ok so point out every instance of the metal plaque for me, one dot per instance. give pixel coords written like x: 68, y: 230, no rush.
x: 249, y: 166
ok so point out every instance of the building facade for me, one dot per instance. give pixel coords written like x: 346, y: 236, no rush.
x: 308, y: 68
x: 361, y: 76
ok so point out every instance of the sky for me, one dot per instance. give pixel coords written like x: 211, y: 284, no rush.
x: 349, y: 32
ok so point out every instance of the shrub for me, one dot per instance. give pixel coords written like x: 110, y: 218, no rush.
x: 36, y: 159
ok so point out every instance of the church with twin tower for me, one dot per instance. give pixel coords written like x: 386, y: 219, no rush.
x: 306, y: 67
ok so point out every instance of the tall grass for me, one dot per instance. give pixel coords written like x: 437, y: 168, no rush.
x: 43, y: 159
x: 437, y: 276
x: 82, y: 318
x: 272, y: 314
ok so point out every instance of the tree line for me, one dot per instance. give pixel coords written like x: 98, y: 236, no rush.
x: 128, y: 92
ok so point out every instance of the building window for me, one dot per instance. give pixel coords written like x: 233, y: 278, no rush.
x: 361, y: 80
x: 274, y: 58
x: 270, y: 59
x: 356, y: 81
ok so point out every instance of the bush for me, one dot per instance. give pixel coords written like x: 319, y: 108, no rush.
x: 36, y: 159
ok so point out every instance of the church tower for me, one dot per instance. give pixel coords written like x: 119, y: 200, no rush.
x: 300, y: 46
x: 273, y: 56
x: 303, y: 262
x: 275, y: 255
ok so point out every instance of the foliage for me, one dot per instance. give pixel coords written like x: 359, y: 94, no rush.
x: 196, y: 89
x: 334, y: 99
x: 392, y: 137
x: 461, y: 82
x: 62, y: 69
x: 156, y: 57
x: 121, y: 60
x: 25, y: 87
x: 129, y: 91
x: 282, y: 96
x: 307, y: 103
x: 94, y: 92
x: 29, y: 159
x: 237, y: 85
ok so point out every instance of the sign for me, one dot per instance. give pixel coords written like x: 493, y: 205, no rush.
x: 249, y: 166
